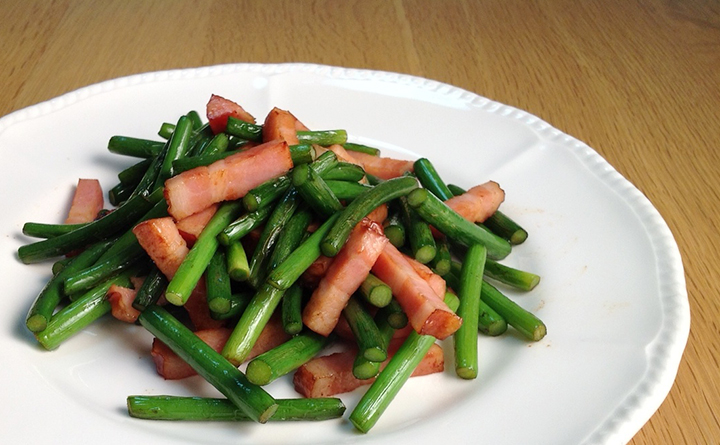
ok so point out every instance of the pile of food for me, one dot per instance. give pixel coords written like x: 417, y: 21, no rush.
x: 288, y: 249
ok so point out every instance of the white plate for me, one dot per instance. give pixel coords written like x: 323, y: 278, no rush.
x: 612, y: 294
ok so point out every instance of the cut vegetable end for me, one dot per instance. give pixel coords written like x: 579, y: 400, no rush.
x: 224, y: 239
x: 328, y: 248
x: 518, y: 237
x: 425, y: 254
x: 466, y: 372
x: 375, y: 354
x: 293, y: 328
x: 268, y: 413
x: 533, y: 282
x: 494, y: 329
x: 239, y: 274
x: 381, y: 296
x: 250, y: 202
x: 259, y: 372
x: 396, y: 236
x: 36, y: 323
x: 219, y: 305
x: 366, y: 370
x: 360, y: 424
x: 417, y: 197
x: 398, y: 320
x: 175, y: 298
x: 539, y: 333
x: 442, y: 268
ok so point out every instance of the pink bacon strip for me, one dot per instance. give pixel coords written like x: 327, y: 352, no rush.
x: 87, y: 202
x: 227, y: 179
x: 426, y: 310
x: 330, y: 375
x: 479, y: 202
x: 344, y: 276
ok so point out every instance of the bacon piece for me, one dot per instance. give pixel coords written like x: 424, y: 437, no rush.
x: 435, y: 281
x: 344, y: 276
x: 86, y: 203
x: 172, y: 367
x: 344, y: 155
x: 343, y: 330
x: 330, y: 375
x: 313, y: 274
x: 191, y: 227
x: 426, y: 310
x: 479, y: 202
x: 402, y: 333
x: 299, y: 126
x: 163, y: 243
x: 218, y: 110
x: 272, y: 335
x: 282, y: 125
x: 227, y: 179
x: 198, y: 310
x: 121, y: 299
x: 379, y: 214
x: 383, y: 167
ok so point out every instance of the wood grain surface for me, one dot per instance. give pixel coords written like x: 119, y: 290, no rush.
x: 638, y: 80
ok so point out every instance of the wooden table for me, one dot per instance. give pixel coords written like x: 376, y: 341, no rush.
x: 638, y: 80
